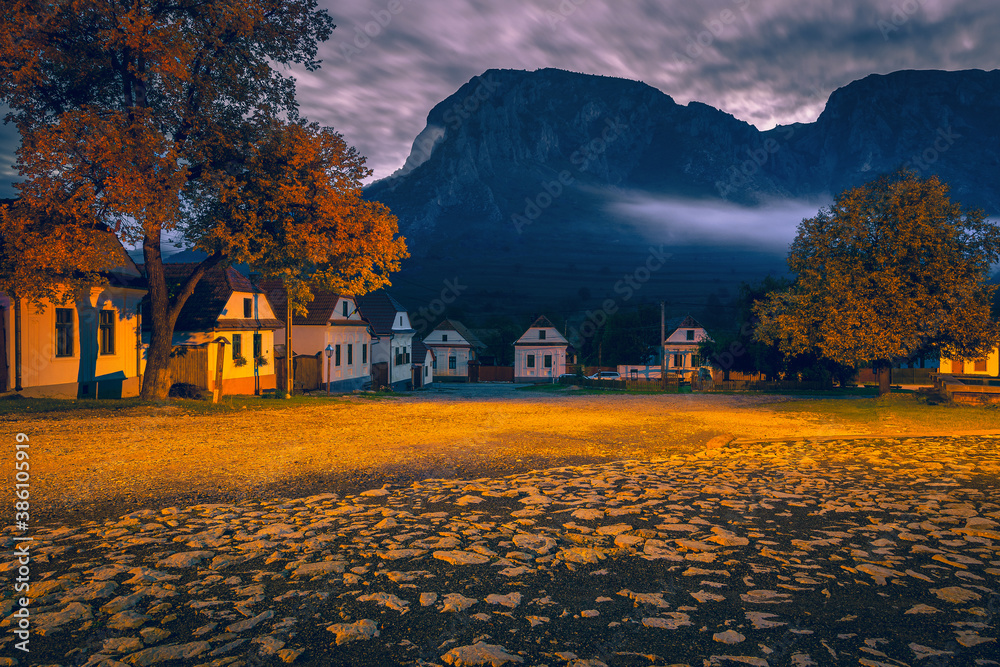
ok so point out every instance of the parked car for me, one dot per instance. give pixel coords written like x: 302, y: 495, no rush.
x: 605, y: 375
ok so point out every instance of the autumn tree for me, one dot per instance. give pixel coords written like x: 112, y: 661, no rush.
x: 171, y: 121
x: 891, y: 269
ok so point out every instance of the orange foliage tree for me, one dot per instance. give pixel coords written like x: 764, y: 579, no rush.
x: 891, y: 270
x: 169, y: 121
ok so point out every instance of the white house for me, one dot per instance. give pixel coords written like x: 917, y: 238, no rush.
x: 681, y: 347
x: 86, y: 348
x: 454, y: 347
x: 391, y: 341
x: 541, y: 353
x: 225, y: 304
x: 332, y: 320
x: 423, y: 365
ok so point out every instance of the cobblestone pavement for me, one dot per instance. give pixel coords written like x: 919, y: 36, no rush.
x: 877, y: 552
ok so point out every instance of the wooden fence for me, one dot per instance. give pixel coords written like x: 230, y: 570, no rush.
x: 496, y: 373
x: 189, y: 364
x: 747, y: 385
x: 306, y: 370
x: 673, y: 384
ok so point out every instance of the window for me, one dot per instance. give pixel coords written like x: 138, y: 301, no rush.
x: 237, y: 346
x: 444, y: 338
x: 258, y: 345
x: 531, y: 361
x: 406, y: 355
x: 399, y: 356
x: 548, y: 361
x: 64, y: 332
x: 678, y: 361
x: 690, y: 334
x: 452, y: 363
x: 107, y: 332
x: 336, y: 355
x: 345, y: 311
x: 541, y: 334
x: 434, y: 363
x: 364, y: 353
x: 350, y: 354
x: 400, y: 320
x: 980, y: 365
x: 427, y: 371
x: 695, y: 360
x: 247, y: 308
x: 957, y: 366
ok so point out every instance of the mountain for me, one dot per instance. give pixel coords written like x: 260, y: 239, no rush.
x: 557, y: 190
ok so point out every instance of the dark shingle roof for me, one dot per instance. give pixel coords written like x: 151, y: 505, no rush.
x: 202, y: 310
x: 543, y: 323
x: 381, y: 310
x: 420, y: 351
x: 689, y: 323
x: 462, y: 330
x: 320, y: 309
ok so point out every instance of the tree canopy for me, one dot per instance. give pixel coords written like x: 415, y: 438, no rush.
x: 171, y: 120
x: 892, y: 269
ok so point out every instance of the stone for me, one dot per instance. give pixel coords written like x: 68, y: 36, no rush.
x: 461, y: 557
x: 158, y: 654
x: 185, y: 559
x: 350, y: 632
x: 728, y: 637
x: 480, y: 653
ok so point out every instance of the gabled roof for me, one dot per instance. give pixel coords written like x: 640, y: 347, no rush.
x: 542, y: 323
x: 461, y: 330
x: 689, y: 323
x: 420, y: 352
x: 381, y: 309
x: 202, y: 310
x: 319, y: 311
x: 539, y: 324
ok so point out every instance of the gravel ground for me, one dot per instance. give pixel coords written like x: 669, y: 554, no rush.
x: 801, y: 552
x: 94, y: 465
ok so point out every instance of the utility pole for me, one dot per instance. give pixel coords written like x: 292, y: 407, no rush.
x: 663, y: 346
x: 289, y: 364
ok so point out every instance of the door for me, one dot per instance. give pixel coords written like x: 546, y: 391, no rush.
x: 380, y: 375
x: 473, y: 371
x: 418, y: 376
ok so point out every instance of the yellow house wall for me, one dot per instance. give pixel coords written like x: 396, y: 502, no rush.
x: 45, y: 374
x: 992, y: 365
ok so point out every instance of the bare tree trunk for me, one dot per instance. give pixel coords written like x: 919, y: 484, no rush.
x: 156, y: 382
x: 163, y: 313
x: 883, y: 371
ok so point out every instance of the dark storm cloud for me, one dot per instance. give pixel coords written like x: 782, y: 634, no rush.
x: 764, y: 61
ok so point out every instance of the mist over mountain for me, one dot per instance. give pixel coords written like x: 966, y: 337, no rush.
x: 549, y: 189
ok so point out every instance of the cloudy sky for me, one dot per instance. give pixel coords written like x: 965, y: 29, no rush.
x: 764, y: 61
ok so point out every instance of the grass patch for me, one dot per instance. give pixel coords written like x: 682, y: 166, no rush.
x: 267, y: 402
x: 909, y: 412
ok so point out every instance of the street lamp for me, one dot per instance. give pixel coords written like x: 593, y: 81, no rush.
x: 329, y: 355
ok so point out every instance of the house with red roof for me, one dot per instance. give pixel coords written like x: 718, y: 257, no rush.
x: 541, y: 353
x: 226, y: 305
x: 331, y: 320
